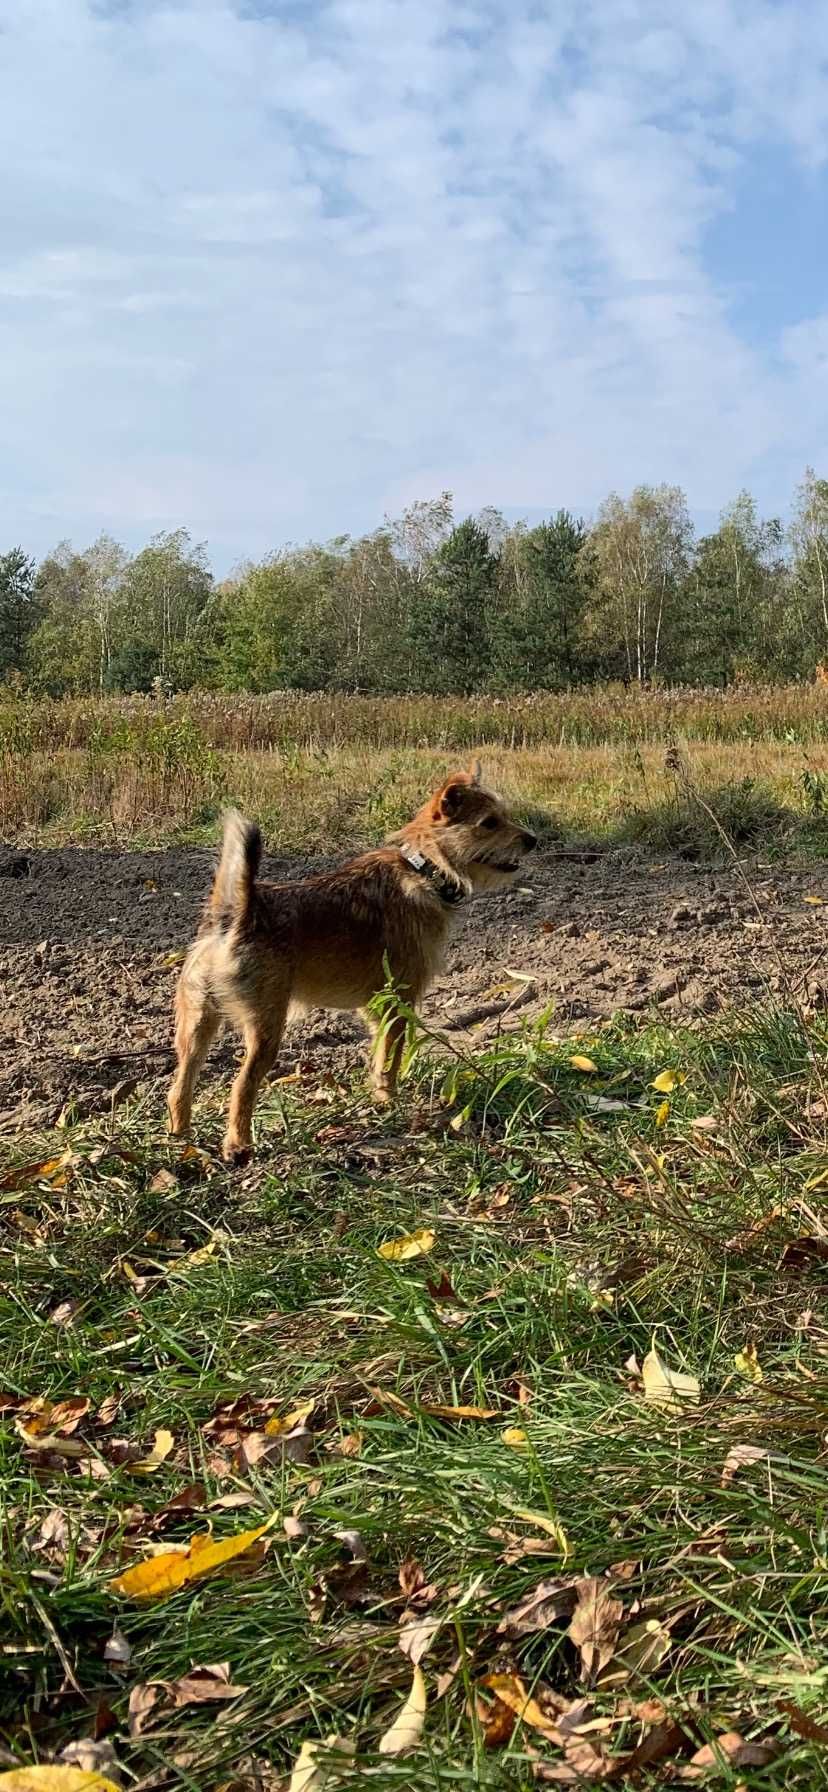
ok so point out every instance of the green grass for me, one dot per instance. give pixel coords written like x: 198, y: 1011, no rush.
x: 573, y: 1235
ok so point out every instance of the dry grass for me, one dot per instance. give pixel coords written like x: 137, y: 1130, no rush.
x: 312, y: 721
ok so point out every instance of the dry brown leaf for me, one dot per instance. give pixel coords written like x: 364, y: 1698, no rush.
x: 741, y: 1456
x: 801, y: 1723
x: 544, y: 1605
x: 728, y: 1750
x: 583, y: 1764
x: 413, y: 1584
x: 108, y: 1410
x: 58, y: 1417
x: 52, y: 1536
x: 162, y: 1574
x: 142, y: 1703
x: 667, y: 1387
x: 405, y: 1732
x: 202, y: 1686
x: 50, y: 1169
x: 641, y: 1651
x: 93, y: 1756
x: 595, y: 1624
x: 417, y: 1635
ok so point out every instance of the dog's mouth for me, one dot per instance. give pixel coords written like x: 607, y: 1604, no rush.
x: 505, y: 865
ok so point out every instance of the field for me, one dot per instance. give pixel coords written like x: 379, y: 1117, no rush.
x: 471, y: 1452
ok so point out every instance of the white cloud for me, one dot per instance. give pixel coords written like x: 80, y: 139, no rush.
x: 268, y: 270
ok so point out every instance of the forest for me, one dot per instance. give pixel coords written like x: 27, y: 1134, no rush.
x: 430, y: 603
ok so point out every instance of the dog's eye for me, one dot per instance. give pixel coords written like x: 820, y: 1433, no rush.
x: 489, y: 821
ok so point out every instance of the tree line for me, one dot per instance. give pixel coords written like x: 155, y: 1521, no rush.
x: 430, y: 603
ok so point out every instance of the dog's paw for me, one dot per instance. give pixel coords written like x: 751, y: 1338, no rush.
x: 236, y: 1156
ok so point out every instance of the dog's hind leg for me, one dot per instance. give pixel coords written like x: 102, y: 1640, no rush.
x: 197, y: 1022
x: 262, y: 1043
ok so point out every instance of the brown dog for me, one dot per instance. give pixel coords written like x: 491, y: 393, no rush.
x: 325, y: 942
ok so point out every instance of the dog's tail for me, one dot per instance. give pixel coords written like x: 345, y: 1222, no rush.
x: 241, y: 855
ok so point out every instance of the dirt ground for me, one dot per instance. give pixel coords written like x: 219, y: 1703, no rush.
x: 87, y: 938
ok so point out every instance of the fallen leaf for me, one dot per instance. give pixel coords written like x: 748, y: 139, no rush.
x: 202, y: 1686
x: 496, y: 1720
x: 667, y: 1387
x: 54, y: 1779
x: 52, y: 1536
x: 581, y: 1063
x: 58, y: 1417
x: 511, y: 1691
x: 413, y: 1584
x: 117, y: 1650
x: 436, y: 1410
x: 142, y: 1703
x: 416, y: 1636
x: 108, y: 1410
x: 92, y: 1755
x: 544, y: 1605
x: 412, y: 1244
x: 728, y: 1750
x: 515, y: 1437
x: 161, y: 1574
x: 815, y: 900
x: 741, y: 1456
x: 582, y: 1764
x: 64, y: 1313
x: 805, y: 1252
x: 163, y: 1182
x: 662, y: 1114
x: 641, y: 1651
x: 595, y: 1624
x: 545, y: 1523
x: 667, y: 1081
x: 407, y: 1728
x: 162, y: 1446
x: 801, y: 1723
x: 443, y: 1291
x: 747, y: 1363
x: 310, y: 1775
x: 47, y: 1170
x: 291, y: 1421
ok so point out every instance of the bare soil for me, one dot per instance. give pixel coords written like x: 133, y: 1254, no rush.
x: 87, y: 938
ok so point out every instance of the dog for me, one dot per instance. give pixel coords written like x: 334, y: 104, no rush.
x: 330, y: 941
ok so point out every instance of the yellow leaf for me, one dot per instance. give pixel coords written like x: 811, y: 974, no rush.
x: 54, y: 1779
x: 662, y: 1113
x: 308, y: 1774
x: 748, y: 1364
x: 511, y: 1691
x: 816, y: 900
x: 545, y: 1523
x: 515, y: 1437
x: 194, y: 1258
x: 159, y: 1575
x: 413, y: 1244
x: 46, y: 1171
x: 298, y: 1415
x: 581, y: 1063
x: 173, y: 958
x: 436, y: 1411
x: 667, y: 1081
x: 667, y: 1387
x: 161, y: 1448
x: 407, y: 1728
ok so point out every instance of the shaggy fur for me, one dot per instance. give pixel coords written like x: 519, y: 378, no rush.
x: 323, y: 942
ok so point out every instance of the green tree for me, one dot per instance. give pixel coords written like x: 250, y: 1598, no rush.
x: 18, y: 609
x: 546, y: 575
x: 809, y: 571
x: 449, y: 618
x: 642, y: 547
x: 734, y: 597
x: 164, y: 594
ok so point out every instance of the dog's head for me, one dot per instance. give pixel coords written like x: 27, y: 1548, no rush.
x: 473, y: 832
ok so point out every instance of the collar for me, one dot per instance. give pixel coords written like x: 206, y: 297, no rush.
x: 449, y: 890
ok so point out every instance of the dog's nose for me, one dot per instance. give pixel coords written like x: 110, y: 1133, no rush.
x: 530, y: 841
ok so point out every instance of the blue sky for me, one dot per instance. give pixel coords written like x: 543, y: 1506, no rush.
x: 271, y: 268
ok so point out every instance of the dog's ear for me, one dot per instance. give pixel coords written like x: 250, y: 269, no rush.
x: 475, y: 772
x: 449, y: 801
